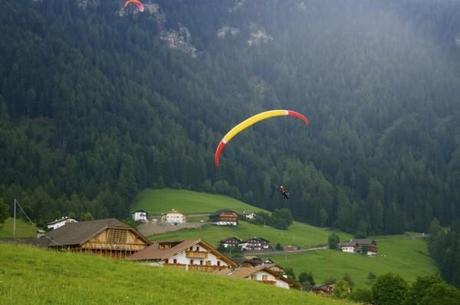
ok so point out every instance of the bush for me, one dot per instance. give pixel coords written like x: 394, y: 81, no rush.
x: 389, y: 289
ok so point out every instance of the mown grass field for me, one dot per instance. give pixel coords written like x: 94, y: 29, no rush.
x: 298, y: 234
x: 402, y: 254
x: 23, y: 229
x: 163, y: 200
x: 30, y: 276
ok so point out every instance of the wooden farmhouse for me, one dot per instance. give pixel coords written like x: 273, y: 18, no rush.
x: 324, y: 289
x: 105, y: 237
x: 262, y: 273
x: 231, y: 242
x: 255, y: 244
x: 195, y: 255
x: 224, y: 217
x: 361, y: 246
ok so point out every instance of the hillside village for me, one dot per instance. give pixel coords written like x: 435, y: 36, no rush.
x: 114, y: 239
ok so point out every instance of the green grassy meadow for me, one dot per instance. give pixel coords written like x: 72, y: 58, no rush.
x: 188, y: 202
x: 30, y: 276
x: 298, y: 234
x: 23, y: 229
x: 402, y: 254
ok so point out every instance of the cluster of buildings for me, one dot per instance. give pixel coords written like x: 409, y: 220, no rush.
x: 360, y: 246
x: 223, y: 217
x: 252, y: 244
x: 115, y: 239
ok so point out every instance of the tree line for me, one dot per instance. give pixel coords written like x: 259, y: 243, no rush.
x: 95, y: 107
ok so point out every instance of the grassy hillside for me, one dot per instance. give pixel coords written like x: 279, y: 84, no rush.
x: 70, y: 279
x: 401, y: 254
x: 163, y: 200
x: 23, y: 229
x: 299, y: 234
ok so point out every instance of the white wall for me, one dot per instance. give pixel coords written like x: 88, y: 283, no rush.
x: 278, y: 283
x: 183, y: 259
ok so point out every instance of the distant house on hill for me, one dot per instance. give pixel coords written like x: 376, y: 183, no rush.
x: 323, y: 289
x: 105, y: 237
x: 195, y: 255
x: 361, y: 246
x: 248, y: 215
x: 262, y: 273
x: 255, y: 244
x: 173, y: 217
x: 140, y: 215
x: 57, y: 223
x: 224, y: 217
x: 231, y: 242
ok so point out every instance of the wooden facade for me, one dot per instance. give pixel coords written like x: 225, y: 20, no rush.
x: 106, y: 237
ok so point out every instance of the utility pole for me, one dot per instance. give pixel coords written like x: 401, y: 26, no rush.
x: 14, y: 219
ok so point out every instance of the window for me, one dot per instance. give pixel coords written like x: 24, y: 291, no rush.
x: 201, y: 262
x: 191, y: 262
x: 218, y: 263
x: 197, y: 248
x: 264, y: 277
x: 175, y: 261
x: 208, y: 263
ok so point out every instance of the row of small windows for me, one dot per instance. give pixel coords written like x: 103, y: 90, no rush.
x: 192, y: 262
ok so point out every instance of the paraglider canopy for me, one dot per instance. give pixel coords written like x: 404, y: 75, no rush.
x: 137, y: 3
x: 251, y: 121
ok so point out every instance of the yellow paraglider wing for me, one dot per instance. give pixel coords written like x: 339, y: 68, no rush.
x: 251, y: 121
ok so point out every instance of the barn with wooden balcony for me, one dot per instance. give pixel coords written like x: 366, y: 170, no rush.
x: 106, y: 237
x: 195, y: 255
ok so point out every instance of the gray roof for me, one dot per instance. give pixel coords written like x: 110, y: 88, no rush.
x: 78, y: 233
x: 358, y: 242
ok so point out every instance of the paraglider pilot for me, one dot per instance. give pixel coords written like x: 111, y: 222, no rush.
x: 284, y: 191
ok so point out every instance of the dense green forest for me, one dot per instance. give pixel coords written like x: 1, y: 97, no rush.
x: 444, y: 246
x: 96, y: 104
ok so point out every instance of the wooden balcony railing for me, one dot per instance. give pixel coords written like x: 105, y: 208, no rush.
x: 196, y: 254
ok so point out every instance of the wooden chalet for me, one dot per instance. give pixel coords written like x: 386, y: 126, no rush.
x: 255, y: 244
x: 105, y: 237
x: 224, y: 217
x: 361, y: 246
x: 194, y: 255
x: 324, y: 289
x: 231, y: 242
x: 263, y: 273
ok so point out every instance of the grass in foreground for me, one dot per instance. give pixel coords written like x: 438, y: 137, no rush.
x: 30, y: 276
x: 163, y: 200
x: 299, y: 234
x: 400, y: 254
x: 23, y: 229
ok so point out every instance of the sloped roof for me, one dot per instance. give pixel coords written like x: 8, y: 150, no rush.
x: 245, y: 272
x: 218, y: 212
x: 357, y: 242
x: 78, y: 233
x: 65, y: 218
x: 155, y: 252
x: 230, y: 238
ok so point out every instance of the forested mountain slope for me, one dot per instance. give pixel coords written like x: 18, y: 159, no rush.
x: 97, y: 103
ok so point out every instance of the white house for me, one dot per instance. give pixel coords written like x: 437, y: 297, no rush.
x: 173, y: 217
x: 57, y: 223
x: 195, y: 255
x: 262, y: 273
x: 140, y: 215
x: 249, y: 215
